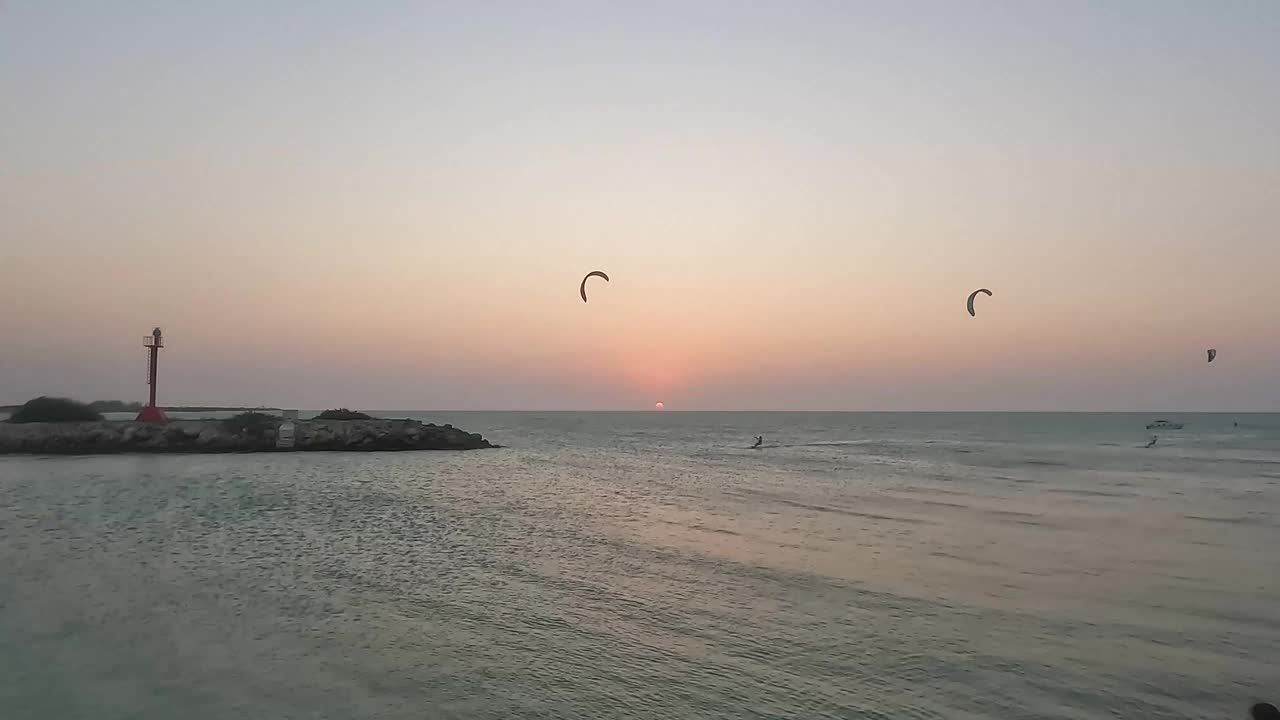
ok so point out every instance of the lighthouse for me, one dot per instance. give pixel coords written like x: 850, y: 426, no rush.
x: 151, y: 413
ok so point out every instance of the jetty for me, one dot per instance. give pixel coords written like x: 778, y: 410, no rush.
x: 265, y: 434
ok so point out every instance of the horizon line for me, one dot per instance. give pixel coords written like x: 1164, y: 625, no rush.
x: 651, y: 411
x: 654, y: 411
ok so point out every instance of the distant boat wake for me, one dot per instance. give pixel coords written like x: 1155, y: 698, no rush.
x: 828, y: 443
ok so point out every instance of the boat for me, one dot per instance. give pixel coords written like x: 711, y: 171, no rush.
x: 1163, y: 425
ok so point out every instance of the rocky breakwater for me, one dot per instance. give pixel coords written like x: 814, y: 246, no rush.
x: 214, y: 436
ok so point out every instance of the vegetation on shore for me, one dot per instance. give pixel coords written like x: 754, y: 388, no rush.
x: 343, y: 414
x: 253, y: 424
x: 54, y: 409
x: 58, y: 409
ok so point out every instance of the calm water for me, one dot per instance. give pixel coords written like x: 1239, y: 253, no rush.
x: 651, y: 566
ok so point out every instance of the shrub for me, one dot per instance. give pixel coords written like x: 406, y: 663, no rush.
x: 255, y: 424
x: 343, y: 414
x: 54, y: 409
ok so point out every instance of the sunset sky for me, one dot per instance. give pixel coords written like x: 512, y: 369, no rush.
x: 390, y: 204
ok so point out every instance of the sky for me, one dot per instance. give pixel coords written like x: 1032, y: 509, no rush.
x: 391, y: 204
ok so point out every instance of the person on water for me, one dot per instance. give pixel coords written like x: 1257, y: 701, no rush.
x: 759, y: 441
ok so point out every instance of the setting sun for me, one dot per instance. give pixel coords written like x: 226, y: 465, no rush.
x: 659, y: 405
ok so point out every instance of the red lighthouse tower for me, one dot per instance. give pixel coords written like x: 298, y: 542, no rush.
x: 151, y: 413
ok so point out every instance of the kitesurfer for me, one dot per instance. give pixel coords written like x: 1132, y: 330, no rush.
x: 582, y: 289
x: 969, y: 303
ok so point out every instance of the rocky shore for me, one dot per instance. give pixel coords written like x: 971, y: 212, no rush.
x: 224, y: 436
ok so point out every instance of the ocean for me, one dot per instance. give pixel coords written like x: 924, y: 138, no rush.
x: 651, y: 565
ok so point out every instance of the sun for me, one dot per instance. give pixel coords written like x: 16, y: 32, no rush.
x: 659, y: 405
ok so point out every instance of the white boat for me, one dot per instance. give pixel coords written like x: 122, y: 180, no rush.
x: 1163, y: 425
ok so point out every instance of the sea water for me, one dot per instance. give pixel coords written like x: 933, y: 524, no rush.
x: 651, y: 565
